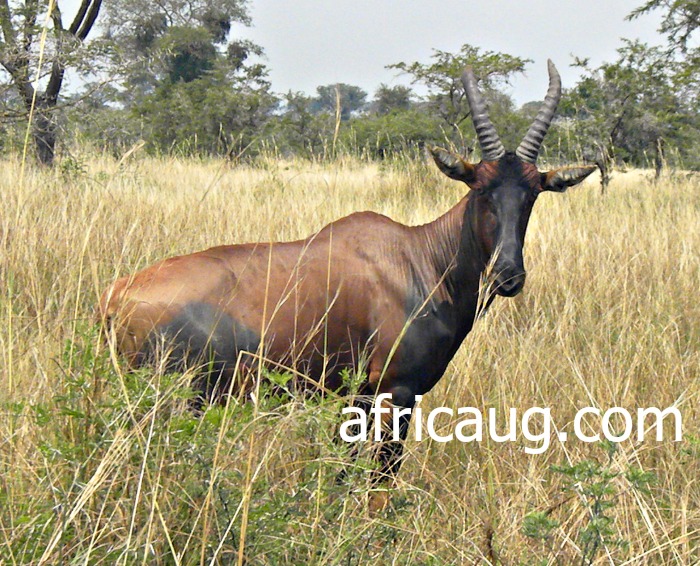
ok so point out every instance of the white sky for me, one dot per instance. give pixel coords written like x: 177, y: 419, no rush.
x: 317, y: 42
x: 309, y: 43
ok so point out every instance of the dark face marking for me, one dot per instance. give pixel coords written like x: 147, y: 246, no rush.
x: 505, y: 190
x: 503, y: 208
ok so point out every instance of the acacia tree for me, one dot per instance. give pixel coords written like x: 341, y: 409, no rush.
x: 21, y: 24
x: 183, y: 81
x: 680, y: 21
x: 681, y: 25
x: 352, y: 99
x: 169, y: 40
x: 631, y: 108
x: 391, y: 98
x: 298, y: 128
x: 442, y: 78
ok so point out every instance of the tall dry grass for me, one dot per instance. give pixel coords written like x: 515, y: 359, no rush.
x: 99, y: 465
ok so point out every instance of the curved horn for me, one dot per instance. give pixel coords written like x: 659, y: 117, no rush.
x: 530, y: 146
x: 491, y: 147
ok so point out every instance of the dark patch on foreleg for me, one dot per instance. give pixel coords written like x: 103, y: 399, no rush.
x: 390, y: 451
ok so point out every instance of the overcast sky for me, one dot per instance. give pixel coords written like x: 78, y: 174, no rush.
x: 318, y: 42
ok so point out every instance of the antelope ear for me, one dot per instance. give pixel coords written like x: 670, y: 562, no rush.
x: 559, y: 180
x: 453, y: 165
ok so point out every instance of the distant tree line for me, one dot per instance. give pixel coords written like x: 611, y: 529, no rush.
x: 172, y: 73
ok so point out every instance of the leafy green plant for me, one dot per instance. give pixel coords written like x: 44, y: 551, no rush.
x: 538, y: 525
x: 595, y: 484
x: 71, y: 168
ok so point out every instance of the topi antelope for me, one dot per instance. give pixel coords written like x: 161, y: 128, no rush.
x: 401, y: 298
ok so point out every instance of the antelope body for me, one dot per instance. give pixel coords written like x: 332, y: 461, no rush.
x: 363, y: 291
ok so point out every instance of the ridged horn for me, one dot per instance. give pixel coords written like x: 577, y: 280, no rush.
x: 529, y: 148
x: 491, y: 147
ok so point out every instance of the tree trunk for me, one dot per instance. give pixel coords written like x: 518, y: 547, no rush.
x: 44, y: 136
x: 604, y: 162
x: 659, y: 158
x: 17, y: 41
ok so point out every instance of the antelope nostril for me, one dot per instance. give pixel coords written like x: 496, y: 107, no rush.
x: 510, y: 284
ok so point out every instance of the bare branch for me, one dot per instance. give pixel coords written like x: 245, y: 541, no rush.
x: 57, y: 19
x: 89, y: 20
x: 29, y: 23
x: 21, y: 79
x: 50, y: 95
x: 82, y: 10
x: 6, y: 23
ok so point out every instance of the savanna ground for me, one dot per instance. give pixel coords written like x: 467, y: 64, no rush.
x: 102, y: 466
